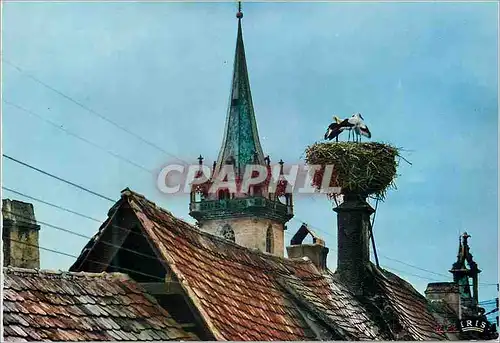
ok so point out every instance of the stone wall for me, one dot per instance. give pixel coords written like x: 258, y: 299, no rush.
x: 250, y: 232
x: 444, y: 291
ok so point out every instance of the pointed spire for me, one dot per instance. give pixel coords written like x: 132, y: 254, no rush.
x: 241, y: 139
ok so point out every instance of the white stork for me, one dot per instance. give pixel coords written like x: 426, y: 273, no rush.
x: 359, y: 126
x: 334, y: 129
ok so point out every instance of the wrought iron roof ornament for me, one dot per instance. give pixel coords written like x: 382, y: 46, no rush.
x: 239, y: 15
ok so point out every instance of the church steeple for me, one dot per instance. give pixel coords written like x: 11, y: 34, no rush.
x: 250, y: 216
x: 240, y: 145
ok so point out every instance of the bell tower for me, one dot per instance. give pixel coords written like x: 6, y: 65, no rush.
x: 253, y: 217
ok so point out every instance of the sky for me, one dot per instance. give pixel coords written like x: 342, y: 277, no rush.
x: 424, y: 76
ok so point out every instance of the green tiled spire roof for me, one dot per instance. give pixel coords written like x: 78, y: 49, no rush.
x: 241, y: 140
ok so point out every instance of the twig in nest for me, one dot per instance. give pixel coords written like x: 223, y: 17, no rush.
x: 364, y: 168
x: 405, y: 160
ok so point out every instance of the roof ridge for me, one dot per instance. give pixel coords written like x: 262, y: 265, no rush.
x: 65, y: 273
x: 129, y: 192
x: 396, y: 279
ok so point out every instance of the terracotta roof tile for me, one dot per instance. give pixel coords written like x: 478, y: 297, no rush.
x: 243, y: 294
x: 411, y: 307
x: 238, y: 290
x: 64, y: 306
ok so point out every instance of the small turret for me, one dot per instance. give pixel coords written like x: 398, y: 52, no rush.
x: 462, y: 274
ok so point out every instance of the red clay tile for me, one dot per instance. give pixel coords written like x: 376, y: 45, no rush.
x: 53, y: 318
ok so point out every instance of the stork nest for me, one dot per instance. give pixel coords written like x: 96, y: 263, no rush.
x: 359, y: 168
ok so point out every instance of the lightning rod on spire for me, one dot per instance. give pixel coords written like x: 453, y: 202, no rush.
x: 239, y: 15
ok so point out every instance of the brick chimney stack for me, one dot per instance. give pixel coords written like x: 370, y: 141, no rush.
x: 353, y: 222
x: 20, y: 235
x: 447, y: 292
x: 316, y: 252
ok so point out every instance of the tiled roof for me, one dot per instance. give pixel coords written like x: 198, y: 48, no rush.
x: 409, y: 306
x: 328, y: 299
x: 64, y: 306
x: 442, y: 287
x: 245, y: 294
x: 234, y: 288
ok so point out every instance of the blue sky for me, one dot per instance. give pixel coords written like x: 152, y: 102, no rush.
x: 424, y: 75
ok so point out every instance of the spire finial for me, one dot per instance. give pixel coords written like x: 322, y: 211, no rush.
x: 465, y: 236
x: 239, y: 15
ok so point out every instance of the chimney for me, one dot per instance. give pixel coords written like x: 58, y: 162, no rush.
x: 20, y: 235
x: 353, y: 223
x: 447, y: 292
x: 316, y: 252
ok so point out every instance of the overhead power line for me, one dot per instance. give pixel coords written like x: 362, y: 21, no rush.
x: 101, y: 116
x: 88, y: 109
x: 407, y: 273
x: 316, y: 228
x: 92, y: 261
x: 492, y: 311
x: 58, y: 178
x: 51, y: 204
x: 113, y: 201
x: 385, y: 267
x: 82, y: 236
x: 488, y: 302
x: 410, y: 265
x: 79, y: 137
x: 101, y: 241
x: 384, y: 256
x: 67, y: 209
